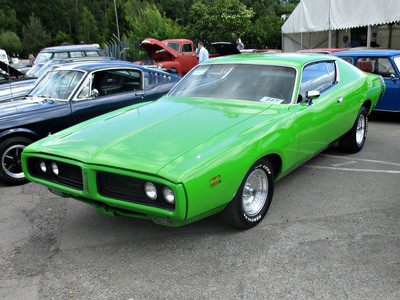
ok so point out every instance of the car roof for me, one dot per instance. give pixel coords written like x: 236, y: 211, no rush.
x: 380, y: 52
x: 90, y: 66
x: 272, y: 58
x: 72, y: 48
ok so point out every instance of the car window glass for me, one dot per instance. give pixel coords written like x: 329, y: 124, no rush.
x: 60, y: 55
x: 64, y: 81
x: 43, y: 57
x: 187, y: 48
x: 92, y: 53
x: 397, y: 62
x: 384, y: 67
x: 262, y: 83
x: 112, y: 82
x: 348, y: 59
x: 76, y: 54
x: 317, y: 76
x: 173, y: 45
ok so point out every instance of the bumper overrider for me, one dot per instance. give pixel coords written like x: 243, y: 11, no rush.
x: 112, y: 191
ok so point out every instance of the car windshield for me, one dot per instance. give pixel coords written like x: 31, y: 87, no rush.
x: 397, y: 62
x: 261, y: 83
x: 173, y: 45
x: 43, y: 57
x: 58, y: 84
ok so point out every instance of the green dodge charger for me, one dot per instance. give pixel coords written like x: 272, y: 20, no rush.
x: 216, y: 143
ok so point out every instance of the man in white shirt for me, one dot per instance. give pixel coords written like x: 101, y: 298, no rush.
x: 203, y: 52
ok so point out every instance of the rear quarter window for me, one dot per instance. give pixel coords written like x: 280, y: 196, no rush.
x: 92, y: 53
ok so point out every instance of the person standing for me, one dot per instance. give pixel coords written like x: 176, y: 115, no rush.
x: 203, y: 52
x: 346, y: 42
x: 240, y: 45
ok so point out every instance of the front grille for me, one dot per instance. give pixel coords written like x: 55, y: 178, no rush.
x: 69, y: 175
x: 129, y: 189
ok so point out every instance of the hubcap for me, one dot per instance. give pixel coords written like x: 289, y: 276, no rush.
x: 360, y: 131
x: 255, y: 192
x: 11, y: 161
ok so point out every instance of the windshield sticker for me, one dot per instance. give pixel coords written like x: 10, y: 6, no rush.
x: 271, y: 100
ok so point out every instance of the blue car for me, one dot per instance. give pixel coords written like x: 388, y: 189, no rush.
x: 69, y: 95
x: 385, y: 63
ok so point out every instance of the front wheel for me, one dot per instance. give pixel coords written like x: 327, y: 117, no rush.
x: 253, y: 198
x: 354, y: 140
x: 10, y: 160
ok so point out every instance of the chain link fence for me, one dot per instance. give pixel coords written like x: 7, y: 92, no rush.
x: 125, y: 50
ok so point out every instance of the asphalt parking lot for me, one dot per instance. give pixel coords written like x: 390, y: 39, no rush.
x: 332, y: 232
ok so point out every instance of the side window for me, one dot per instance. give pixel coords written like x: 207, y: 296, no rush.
x: 112, y: 82
x: 60, y: 55
x: 76, y: 54
x: 92, y: 53
x: 348, y: 59
x: 187, y: 48
x: 318, y: 76
x: 384, y: 67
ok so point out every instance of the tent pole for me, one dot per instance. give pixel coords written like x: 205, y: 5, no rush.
x: 301, y: 41
x: 330, y: 39
x: 369, y: 37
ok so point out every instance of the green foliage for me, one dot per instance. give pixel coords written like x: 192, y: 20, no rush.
x: 34, y: 35
x: 11, y: 42
x: 62, y: 37
x: 258, y: 37
x: 87, y: 28
x: 145, y: 20
x: 220, y: 20
x: 8, y: 19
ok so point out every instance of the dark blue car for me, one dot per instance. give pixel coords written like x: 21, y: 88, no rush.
x: 69, y: 95
x: 385, y: 63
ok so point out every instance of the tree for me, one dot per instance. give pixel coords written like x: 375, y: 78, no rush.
x: 8, y: 19
x: 34, y: 35
x: 11, y: 42
x: 87, y: 28
x: 62, y: 37
x: 219, y: 20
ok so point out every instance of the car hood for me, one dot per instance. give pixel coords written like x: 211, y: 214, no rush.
x: 152, y: 46
x: 23, y: 104
x: 146, y: 137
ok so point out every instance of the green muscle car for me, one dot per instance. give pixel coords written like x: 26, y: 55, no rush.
x: 217, y: 143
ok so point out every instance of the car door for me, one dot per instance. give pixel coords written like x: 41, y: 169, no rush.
x: 188, y: 58
x: 108, y: 90
x: 320, y: 121
x: 390, y: 100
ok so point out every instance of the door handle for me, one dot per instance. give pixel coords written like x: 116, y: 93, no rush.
x: 140, y: 94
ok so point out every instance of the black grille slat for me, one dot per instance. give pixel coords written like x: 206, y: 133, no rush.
x: 129, y: 189
x: 69, y: 175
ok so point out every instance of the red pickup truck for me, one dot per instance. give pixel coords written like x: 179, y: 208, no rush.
x: 177, y: 55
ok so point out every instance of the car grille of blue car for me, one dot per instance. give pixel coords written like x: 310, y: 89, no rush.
x: 129, y: 189
x: 68, y: 175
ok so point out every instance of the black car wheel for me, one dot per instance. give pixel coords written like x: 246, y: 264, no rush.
x: 354, y: 140
x: 252, y: 200
x: 10, y: 160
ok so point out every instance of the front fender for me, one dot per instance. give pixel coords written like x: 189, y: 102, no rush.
x: 16, y: 131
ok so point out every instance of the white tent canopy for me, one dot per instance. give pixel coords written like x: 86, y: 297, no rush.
x: 313, y: 16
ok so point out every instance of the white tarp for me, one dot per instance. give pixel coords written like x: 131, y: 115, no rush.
x: 322, y: 15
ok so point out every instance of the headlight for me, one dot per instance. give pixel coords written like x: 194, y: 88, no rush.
x: 168, y: 195
x: 43, y: 166
x: 54, y: 168
x: 150, y: 190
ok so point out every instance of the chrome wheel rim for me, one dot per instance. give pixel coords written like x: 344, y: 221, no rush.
x: 255, y: 192
x: 11, y: 161
x: 360, y: 131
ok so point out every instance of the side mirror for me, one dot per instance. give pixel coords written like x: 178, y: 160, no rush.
x: 95, y: 93
x: 311, y: 95
x: 393, y: 77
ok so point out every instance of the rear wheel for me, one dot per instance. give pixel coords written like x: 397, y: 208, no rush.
x: 354, y: 140
x: 10, y: 160
x: 251, y: 202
